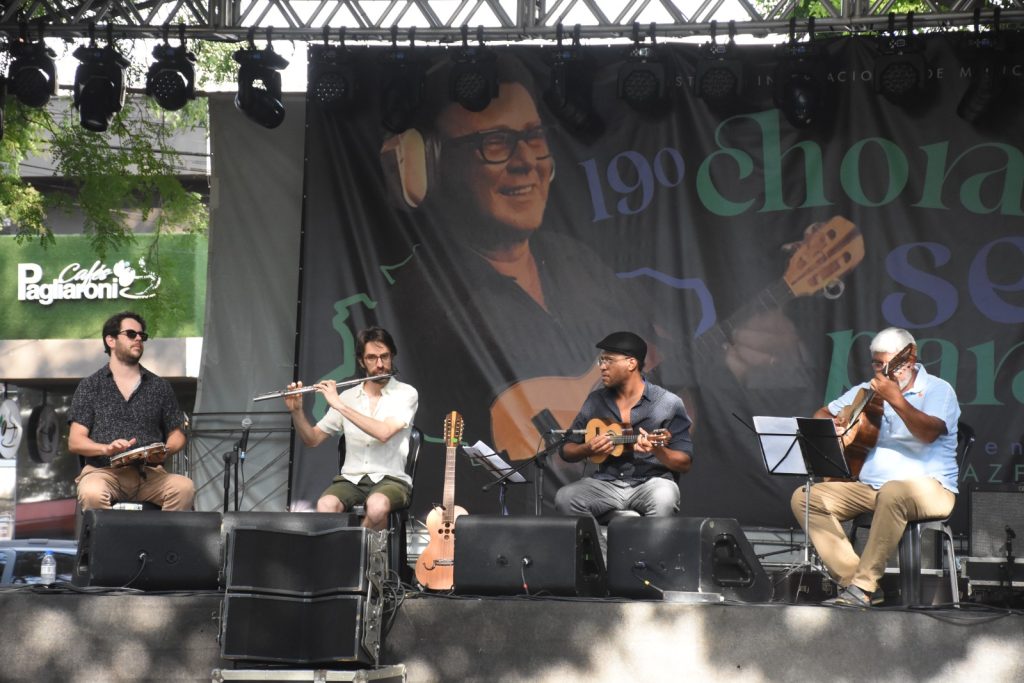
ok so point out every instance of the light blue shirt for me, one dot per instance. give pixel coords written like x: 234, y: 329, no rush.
x: 898, y: 453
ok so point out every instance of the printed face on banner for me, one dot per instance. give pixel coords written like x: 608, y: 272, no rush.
x: 513, y: 192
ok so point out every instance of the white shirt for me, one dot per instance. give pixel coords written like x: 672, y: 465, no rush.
x: 365, y: 455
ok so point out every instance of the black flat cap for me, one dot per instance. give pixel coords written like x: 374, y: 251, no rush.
x: 626, y: 343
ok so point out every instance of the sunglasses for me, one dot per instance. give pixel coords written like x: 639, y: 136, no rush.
x: 132, y: 334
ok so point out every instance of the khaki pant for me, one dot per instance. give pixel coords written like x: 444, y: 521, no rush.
x: 98, y: 487
x: 895, y: 504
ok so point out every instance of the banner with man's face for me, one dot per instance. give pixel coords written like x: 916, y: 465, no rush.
x: 756, y: 242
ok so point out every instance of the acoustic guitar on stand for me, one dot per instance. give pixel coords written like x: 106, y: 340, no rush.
x: 819, y: 263
x: 863, y: 417
x: 435, y: 568
x: 621, y: 435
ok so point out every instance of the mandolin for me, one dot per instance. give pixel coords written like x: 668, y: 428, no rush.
x: 621, y: 435
x: 435, y: 567
x: 819, y: 263
x: 863, y: 417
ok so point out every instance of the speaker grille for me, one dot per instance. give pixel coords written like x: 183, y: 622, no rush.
x: 994, y: 508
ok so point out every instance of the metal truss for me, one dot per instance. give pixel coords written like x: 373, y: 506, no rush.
x: 501, y: 20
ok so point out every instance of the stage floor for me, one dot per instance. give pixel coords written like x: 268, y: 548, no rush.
x: 112, y: 636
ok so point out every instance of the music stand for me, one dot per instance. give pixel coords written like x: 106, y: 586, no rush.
x: 802, y: 446
x: 504, y: 474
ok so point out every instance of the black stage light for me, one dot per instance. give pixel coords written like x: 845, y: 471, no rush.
x: 473, y: 82
x: 642, y: 82
x: 900, y: 69
x: 259, y: 83
x: 99, y: 82
x: 171, y: 79
x: 403, y: 72
x: 331, y: 74
x: 986, y: 61
x: 569, y: 94
x: 801, y: 90
x: 32, y: 76
x: 719, y: 78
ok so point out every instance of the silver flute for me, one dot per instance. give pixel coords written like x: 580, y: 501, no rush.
x: 312, y: 387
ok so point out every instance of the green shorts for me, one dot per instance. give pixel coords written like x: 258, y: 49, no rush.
x: 397, y: 491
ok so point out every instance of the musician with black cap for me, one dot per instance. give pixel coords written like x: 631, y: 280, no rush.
x: 638, y: 431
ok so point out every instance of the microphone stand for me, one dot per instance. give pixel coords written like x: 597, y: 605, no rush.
x: 229, y: 457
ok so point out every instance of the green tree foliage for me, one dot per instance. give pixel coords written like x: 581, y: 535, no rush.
x: 131, y: 166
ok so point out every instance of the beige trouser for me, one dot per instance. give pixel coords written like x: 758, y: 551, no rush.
x: 98, y: 486
x: 895, y: 504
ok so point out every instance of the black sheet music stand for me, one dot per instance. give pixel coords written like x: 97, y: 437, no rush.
x: 503, y: 475
x: 820, y: 454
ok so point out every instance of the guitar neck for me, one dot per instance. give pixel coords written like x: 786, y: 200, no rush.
x: 448, y: 500
x: 711, y: 343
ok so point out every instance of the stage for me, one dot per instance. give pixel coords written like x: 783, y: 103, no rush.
x: 55, y: 635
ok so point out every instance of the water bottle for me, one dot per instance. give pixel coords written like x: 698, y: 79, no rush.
x: 48, y: 569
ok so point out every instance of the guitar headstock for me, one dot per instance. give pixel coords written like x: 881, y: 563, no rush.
x: 452, y: 429
x: 897, y: 362
x: 825, y: 256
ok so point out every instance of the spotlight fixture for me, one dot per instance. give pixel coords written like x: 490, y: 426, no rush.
x: 986, y: 62
x: 259, y: 83
x: 171, y: 79
x: 642, y: 78
x: 900, y: 70
x: 719, y: 77
x: 801, y: 89
x: 473, y: 82
x: 403, y: 72
x: 569, y: 93
x: 99, y: 82
x: 331, y: 74
x: 32, y: 76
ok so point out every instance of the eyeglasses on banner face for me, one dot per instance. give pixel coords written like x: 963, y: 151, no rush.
x: 497, y: 146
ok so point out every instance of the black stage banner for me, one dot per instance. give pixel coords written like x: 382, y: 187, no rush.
x: 757, y: 251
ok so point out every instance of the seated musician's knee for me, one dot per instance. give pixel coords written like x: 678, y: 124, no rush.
x: 329, y: 504
x: 797, y: 502
x: 94, y: 494
x: 377, y: 506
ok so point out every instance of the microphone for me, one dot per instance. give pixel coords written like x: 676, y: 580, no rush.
x: 243, y: 443
x: 1009, y: 532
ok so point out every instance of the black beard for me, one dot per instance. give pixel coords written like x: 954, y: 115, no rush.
x: 126, y: 358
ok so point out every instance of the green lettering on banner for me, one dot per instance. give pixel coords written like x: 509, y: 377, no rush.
x: 838, y: 369
x: 709, y: 195
x: 897, y: 165
x: 814, y: 189
x: 937, y: 172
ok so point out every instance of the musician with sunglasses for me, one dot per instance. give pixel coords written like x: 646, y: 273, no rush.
x: 910, y: 473
x: 122, y: 407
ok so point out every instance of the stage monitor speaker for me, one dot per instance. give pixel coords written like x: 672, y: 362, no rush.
x: 302, y: 564
x: 270, y: 628
x: 996, y: 517
x: 650, y: 556
x: 496, y: 555
x: 149, y: 550
x: 303, y: 522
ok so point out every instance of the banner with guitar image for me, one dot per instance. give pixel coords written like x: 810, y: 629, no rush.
x: 756, y: 257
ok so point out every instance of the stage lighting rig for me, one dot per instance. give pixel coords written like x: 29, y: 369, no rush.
x: 642, y: 79
x: 569, y: 94
x: 900, y: 69
x: 801, y: 90
x: 719, y: 78
x: 259, y: 82
x: 403, y: 71
x: 987, y: 59
x: 32, y: 76
x: 99, y: 82
x: 331, y: 75
x: 473, y: 82
x: 171, y: 79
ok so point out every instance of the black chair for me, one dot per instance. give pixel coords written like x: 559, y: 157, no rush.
x: 398, y: 553
x: 909, y: 552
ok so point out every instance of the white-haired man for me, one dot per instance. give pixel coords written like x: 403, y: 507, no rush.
x: 910, y: 473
